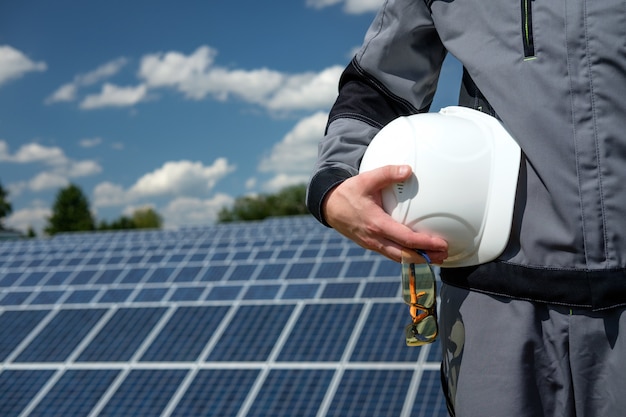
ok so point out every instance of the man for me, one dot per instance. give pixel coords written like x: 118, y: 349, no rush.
x: 540, y: 330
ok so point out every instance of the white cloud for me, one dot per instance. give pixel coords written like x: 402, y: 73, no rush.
x: 281, y: 181
x: 83, y: 168
x: 196, y: 76
x: 103, y: 72
x: 180, y: 177
x: 90, y: 142
x: 34, y: 217
x: 350, y: 6
x: 307, y: 91
x: 60, y: 167
x: 68, y: 92
x: 255, y: 86
x: 14, y: 64
x: 320, y: 4
x: 177, y: 178
x: 292, y: 159
x: 174, y: 68
x: 114, y: 96
x: 47, y: 181
x: 33, y: 152
x: 251, y: 183
x: 107, y: 194
x: 190, y: 211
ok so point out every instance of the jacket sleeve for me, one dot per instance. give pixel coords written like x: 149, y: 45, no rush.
x: 394, y: 74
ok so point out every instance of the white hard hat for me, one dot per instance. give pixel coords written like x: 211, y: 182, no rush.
x: 465, y: 170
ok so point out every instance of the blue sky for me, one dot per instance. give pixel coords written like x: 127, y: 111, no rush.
x: 180, y: 106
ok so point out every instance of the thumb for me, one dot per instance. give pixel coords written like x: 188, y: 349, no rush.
x: 382, y: 177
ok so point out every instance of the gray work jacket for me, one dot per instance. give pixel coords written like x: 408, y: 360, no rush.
x: 554, y: 72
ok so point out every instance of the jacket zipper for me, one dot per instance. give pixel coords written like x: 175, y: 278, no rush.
x: 527, y: 29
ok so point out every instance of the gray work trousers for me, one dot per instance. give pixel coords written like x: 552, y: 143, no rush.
x: 515, y: 358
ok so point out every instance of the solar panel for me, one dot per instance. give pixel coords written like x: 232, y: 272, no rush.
x: 282, y: 317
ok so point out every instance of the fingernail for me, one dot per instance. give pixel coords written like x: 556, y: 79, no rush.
x: 403, y: 170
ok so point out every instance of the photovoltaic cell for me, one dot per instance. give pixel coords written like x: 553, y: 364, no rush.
x: 218, y: 392
x: 47, y: 297
x: 262, y: 292
x: 332, y: 252
x: 187, y: 274
x: 59, y: 277
x: 309, y: 253
x: 281, y: 394
x: 214, y: 273
x: 109, y: 276
x: 81, y: 296
x: 317, y: 337
x: 144, y: 393
x: 14, y: 298
x: 271, y: 271
x: 151, y: 294
x: 18, y: 324
x: 9, y: 279
x: 300, y: 270
x: 329, y: 269
x: 359, y: 269
x: 161, y: 274
x: 61, y: 335
x: 430, y: 401
x: 116, y: 295
x: 33, y: 279
x: 223, y: 293
x: 75, y: 394
x: 252, y: 333
x: 134, y: 275
x: 340, y: 290
x: 382, y: 289
x: 264, y: 254
x: 388, y: 268
x: 382, y: 338
x: 300, y: 291
x: 370, y: 393
x: 18, y: 388
x: 187, y: 294
x: 122, y: 335
x: 186, y: 334
x: 242, y: 272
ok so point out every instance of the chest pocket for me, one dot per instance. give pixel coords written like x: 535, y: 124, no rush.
x: 527, y: 28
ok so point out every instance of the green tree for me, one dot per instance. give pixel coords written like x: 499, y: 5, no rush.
x: 287, y: 202
x: 147, y: 218
x: 31, y: 232
x: 123, y: 223
x: 70, y: 212
x: 5, y: 205
x: 144, y: 218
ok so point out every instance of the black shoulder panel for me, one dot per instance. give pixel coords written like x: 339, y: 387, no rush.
x: 363, y: 98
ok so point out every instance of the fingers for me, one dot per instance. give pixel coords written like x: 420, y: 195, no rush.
x: 382, y: 177
x: 354, y: 209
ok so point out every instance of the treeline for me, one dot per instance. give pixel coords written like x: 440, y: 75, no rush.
x: 71, y: 211
x: 290, y: 201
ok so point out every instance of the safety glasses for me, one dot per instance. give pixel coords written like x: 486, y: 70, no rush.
x: 419, y: 291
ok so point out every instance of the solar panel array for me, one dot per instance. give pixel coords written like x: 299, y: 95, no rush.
x: 276, y: 318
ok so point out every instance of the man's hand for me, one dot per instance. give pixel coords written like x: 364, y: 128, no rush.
x: 354, y: 209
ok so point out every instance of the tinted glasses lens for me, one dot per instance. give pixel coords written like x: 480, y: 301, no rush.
x: 421, y: 333
x: 419, y: 292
